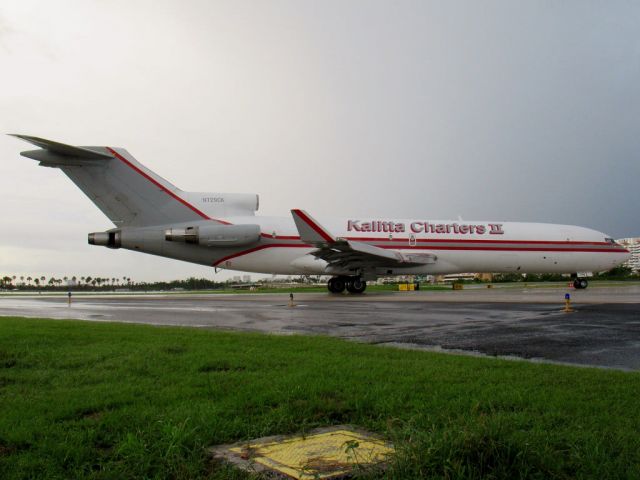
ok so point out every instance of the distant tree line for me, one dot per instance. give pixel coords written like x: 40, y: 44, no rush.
x: 89, y: 283
x: 618, y: 273
x: 105, y: 284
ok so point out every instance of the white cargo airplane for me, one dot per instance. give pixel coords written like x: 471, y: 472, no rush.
x: 221, y: 230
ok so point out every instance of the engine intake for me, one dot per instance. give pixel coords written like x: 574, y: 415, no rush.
x: 215, y: 235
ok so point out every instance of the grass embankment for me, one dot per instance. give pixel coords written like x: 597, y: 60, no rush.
x: 131, y: 401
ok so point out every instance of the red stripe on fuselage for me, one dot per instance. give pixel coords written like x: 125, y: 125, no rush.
x: 304, y: 245
x: 502, y: 249
x: 260, y: 247
x: 162, y: 187
x: 280, y: 237
x: 466, y: 240
x: 445, y: 240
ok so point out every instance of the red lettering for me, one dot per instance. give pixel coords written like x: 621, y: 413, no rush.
x: 495, y: 229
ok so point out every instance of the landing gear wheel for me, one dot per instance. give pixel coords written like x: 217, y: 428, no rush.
x: 580, y: 283
x: 336, y: 285
x: 356, y: 285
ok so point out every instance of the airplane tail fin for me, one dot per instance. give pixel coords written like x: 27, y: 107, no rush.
x: 128, y: 193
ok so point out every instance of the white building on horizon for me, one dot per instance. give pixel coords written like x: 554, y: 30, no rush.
x: 633, y: 245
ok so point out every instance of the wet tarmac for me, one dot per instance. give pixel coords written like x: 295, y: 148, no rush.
x: 603, y: 331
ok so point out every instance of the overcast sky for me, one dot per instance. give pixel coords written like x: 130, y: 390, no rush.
x: 523, y: 111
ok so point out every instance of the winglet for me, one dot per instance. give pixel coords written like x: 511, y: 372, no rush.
x: 310, y: 231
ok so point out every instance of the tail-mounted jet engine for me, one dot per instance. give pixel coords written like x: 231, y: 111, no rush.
x: 215, y: 235
x: 112, y: 239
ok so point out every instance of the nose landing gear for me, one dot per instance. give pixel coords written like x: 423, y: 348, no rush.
x: 351, y: 284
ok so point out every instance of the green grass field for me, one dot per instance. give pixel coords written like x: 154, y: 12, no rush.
x: 92, y: 400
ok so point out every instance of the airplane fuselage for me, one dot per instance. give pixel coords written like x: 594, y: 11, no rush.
x: 459, y: 246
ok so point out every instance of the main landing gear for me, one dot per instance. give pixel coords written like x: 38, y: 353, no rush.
x: 351, y: 284
x: 580, y: 283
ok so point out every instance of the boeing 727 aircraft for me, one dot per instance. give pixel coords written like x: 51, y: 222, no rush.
x: 222, y: 230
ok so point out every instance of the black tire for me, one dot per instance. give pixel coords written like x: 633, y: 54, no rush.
x: 356, y: 285
x: 580, y: 283
x: 336, y: 285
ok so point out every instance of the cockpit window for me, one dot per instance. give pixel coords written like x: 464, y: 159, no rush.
x: 610, y: 240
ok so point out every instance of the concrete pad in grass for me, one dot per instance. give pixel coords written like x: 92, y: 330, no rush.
x: 322, y: 453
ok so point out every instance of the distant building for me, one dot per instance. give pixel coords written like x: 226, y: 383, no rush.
x: 236, y: 279
x: 246, y: 278
x: 452, y: 277
x: 633, y: 245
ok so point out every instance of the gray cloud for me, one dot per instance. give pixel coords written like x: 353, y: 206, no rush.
x: 494, y: 110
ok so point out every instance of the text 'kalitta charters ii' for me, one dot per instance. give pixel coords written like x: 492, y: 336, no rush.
x: 424, y: 227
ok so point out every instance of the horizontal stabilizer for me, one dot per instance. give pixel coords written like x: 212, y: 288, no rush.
x: 54, y: 152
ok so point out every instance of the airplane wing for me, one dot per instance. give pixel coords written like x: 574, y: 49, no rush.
x: 346, y: 254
